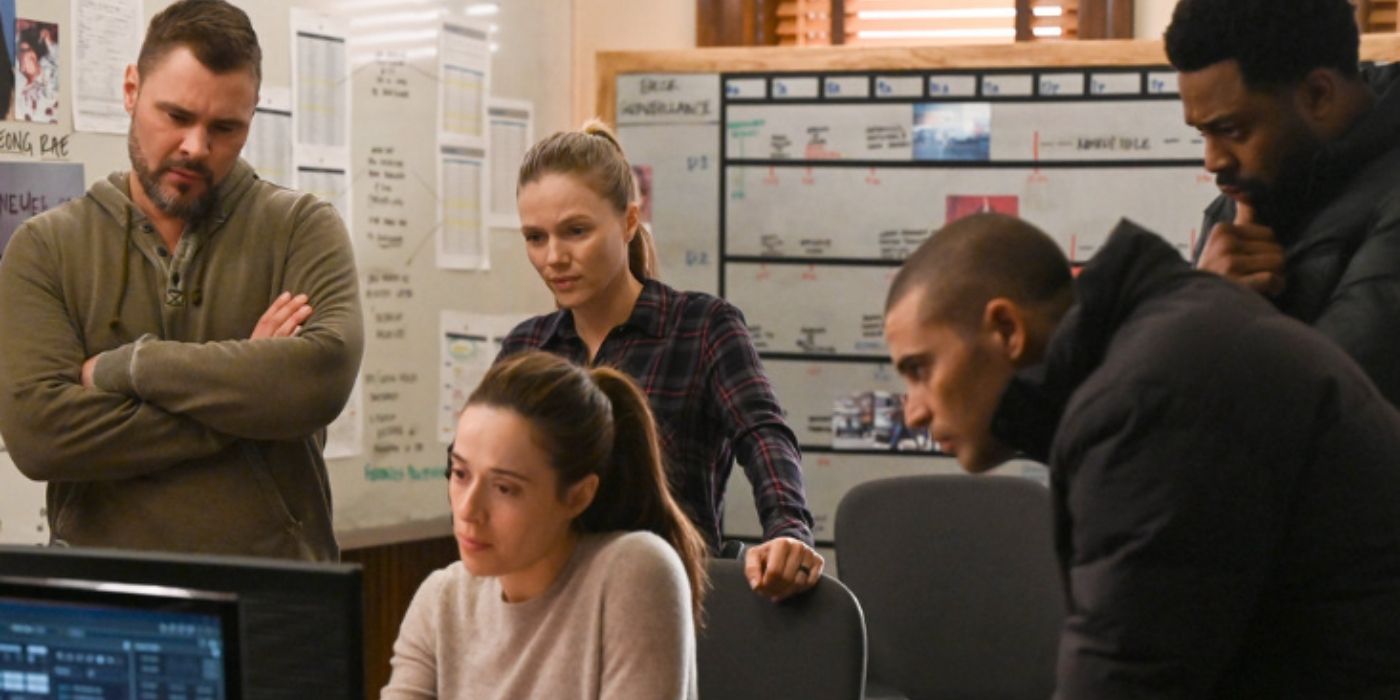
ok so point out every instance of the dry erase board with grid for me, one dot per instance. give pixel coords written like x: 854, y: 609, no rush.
x: 797, y: 194
x: 793, y: 182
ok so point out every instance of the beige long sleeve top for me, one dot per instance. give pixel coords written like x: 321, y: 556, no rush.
x: 615, y: 625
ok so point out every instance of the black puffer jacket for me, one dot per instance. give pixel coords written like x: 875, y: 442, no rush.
x: 1227, y: 491
x: 1343, y: 257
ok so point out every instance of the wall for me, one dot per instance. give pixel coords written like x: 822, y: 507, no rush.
x: 1151, y: 17
x: 622, y: 25
x: 625, y: 25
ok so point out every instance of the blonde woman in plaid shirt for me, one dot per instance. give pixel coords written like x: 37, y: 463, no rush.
x: 690, y: 352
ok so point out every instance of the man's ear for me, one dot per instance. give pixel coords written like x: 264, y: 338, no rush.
x: 1005, y: 321
x: 1318, y: 98
x: 580, y: 495
x: 131, y: 87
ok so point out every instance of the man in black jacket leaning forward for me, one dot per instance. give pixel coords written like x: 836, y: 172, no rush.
x: 1225, y: 479
x: 1306, y: 150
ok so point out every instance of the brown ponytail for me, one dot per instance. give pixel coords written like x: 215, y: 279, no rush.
x: 598, y: 422
x: 593, y: 154
x: 637, y: 496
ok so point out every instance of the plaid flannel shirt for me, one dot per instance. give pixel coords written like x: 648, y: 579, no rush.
x: 692, y: 356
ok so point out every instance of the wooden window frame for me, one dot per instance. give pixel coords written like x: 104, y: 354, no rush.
x: 1369, y: 24
x: 736, y: 23
x: 755, y: 22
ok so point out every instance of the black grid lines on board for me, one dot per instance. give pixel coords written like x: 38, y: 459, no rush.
x: 994, y: 86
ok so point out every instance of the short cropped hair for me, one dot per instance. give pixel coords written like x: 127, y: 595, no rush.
x: 216, y: 32
x: 980, y: 258
x: 1276, y: 42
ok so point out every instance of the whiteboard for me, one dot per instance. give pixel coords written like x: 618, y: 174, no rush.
x: 788, y: 211
x: 797, y: 195
x: 667, y: 123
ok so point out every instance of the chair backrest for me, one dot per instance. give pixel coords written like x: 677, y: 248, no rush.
x: 811, y: 646
x: 957, y: 575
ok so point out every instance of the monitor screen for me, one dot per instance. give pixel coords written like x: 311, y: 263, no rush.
x: 82, y: 640
x: 284, y: 630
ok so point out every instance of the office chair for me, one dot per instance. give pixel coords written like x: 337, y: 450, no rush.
x: 808, y: 647
x: 958, y: 579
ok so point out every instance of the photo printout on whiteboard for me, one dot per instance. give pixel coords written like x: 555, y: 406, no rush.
x: 7, y: 33
x: 874, y: 420
x: 812, y: 389
x: 36, y: 93
x: 952, y: 131
x: 106, y: 38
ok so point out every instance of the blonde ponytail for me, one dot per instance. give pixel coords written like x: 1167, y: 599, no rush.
x: 598, y: 127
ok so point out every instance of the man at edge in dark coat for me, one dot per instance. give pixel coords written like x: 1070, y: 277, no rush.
x: 1225, y: 480
x: 1305, y: 146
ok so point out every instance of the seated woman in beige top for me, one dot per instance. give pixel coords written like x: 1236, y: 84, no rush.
x: 580, y: 578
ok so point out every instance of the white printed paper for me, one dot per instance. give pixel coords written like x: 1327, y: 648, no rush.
x: 461, y: 231
x: 269, y: 146
x: 464, y: 81
x: 329, y: 184
x: 106, y: 38
x: 469, y: 344
x: 512, y: 132
x: 321, y: 90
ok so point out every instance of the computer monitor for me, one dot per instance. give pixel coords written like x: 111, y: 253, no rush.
x: 83, y: 639
x: 115, y: 625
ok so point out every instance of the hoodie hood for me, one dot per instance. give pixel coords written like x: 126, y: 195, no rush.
x: 114, y: 195
x: 1132, y: 266
x: 1376, y: 132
